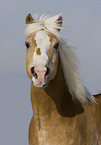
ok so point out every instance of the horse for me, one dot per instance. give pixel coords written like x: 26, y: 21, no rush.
x: 64, y: 112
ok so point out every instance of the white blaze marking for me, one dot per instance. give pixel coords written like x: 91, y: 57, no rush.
x: 43, y: 42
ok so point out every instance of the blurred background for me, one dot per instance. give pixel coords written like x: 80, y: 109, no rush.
x: 82, y: 25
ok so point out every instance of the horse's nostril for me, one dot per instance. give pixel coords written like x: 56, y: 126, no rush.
x: 32, y: 70
x: 33, y: 73
x: 47, y: 72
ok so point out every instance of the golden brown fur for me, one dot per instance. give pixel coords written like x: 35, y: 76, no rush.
x: 57, y: 119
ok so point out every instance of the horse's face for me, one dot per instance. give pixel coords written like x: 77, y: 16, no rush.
x: 41, y: 57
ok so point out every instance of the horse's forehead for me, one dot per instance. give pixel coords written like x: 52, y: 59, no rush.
x: 42, y: 40
x: 41, y: 37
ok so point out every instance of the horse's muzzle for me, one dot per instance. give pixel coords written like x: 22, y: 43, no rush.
x: 40, y: 76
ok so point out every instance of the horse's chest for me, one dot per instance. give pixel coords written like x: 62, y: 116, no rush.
x: 42, y: 136
x: 48, y: 137
x: 55, y: 131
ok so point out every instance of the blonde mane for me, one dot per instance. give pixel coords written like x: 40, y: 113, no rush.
x: 68, y: 58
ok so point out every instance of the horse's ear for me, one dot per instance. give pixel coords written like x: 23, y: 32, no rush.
x: 29, y: 19
x: 59, y: 22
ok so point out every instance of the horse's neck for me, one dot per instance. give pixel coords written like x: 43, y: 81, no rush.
x: 55, y: 96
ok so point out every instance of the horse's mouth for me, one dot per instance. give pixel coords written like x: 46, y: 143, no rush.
x: 40, y: 84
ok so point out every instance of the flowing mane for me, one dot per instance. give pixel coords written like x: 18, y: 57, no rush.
x: 68, y: 58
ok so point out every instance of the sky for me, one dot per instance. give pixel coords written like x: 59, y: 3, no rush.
x: 82, y: 27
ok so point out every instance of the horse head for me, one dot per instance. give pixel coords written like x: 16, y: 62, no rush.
x: 42, y: 50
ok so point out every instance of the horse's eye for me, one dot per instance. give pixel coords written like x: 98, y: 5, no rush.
x: 56, y: 45
x: 27, y: 44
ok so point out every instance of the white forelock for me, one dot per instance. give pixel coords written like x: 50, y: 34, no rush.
x: 46, y: 23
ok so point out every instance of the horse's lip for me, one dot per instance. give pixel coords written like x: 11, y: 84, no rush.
x: 40, y: 85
